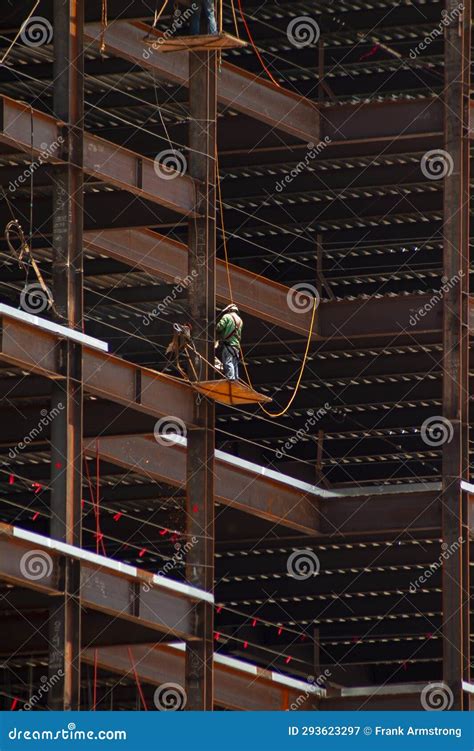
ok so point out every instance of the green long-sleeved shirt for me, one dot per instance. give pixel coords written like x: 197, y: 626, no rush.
x: 229, y: 329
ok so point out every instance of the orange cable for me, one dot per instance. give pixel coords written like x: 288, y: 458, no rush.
x: 257, y: 52
x: 137, y: 679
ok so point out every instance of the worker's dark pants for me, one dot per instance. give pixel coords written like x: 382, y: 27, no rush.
x: 206, y: 7
x: 230, y: 361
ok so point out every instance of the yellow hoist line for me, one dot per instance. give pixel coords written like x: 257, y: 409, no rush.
x: 313, y: 317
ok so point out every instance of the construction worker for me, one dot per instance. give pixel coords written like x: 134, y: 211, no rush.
x: 206, y: 8
x: 229, y: 334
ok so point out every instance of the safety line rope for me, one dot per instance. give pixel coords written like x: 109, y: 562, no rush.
x: 313, y: 317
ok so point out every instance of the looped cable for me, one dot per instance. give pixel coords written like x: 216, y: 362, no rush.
x: 14, y: 234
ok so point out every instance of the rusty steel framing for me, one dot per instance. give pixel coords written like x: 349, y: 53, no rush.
x: 22, y: 127
x: 116, y: 590
x: 456, y: 463
x: 167, y: 259
x: 67, y: 392
x: 200, y: 491
x: 78, y: 580
x: 239, y: 686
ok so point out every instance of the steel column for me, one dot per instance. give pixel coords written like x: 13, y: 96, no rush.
x: 66, y: 399
x: 455, y: 531
x: 201, y: 440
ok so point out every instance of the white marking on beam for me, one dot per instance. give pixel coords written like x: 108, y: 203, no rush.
x: 54, y: 328
x: 467, y: 486
x: 395, y: 689
x: 305, y: 487
x: 247, y: 667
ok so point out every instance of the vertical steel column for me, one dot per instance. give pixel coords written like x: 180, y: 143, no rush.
x: 455, y: 529
x: 201, y: 441
x: 66, y: 430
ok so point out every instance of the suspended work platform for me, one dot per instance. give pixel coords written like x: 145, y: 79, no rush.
x: 197, y: 43
x: 230, y: 392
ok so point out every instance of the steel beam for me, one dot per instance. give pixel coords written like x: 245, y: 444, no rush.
x: 244, y: 489
x: 35, y: 350
x: 200, y: 512
x: 67, y: 393
x: 123, y: 592
x: 268, y: 300
x: 278, y: 499
x: 239, y: 686
x: 281, y: 109
x: 397, y: 698
x: 23, y: 127
x: 456, y: 465
x: 380, y: 121
x: 167, y: 259
x: 237, y: 89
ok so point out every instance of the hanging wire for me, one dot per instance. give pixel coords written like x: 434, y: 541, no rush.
x: 229, y: 282
x: 234, y: 17
x: 255, y: 48
x: 15, y: 39
x: 104, y: 24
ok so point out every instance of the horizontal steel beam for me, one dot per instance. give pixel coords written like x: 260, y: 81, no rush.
x: 238, y: 685
x: 396, y: 697
x: 379, y: 121
x: 237, y: 486
x: 277, y: 498
x: 167, y: 259
x: 237, y: 89
x: 22, y: 127
x: 284, y: 110
x: 273, y: 302
x: 37, y: 351
x: 35, y: 562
